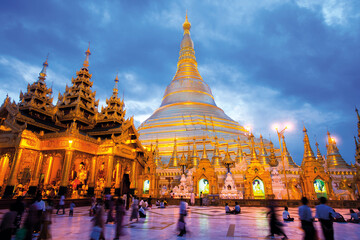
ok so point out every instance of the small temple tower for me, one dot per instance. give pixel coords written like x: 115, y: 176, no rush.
x: 315, y: 181
x: 205, y: 180
x: 257, y: 179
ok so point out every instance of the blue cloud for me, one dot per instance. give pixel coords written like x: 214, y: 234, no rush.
x: 276, y: 60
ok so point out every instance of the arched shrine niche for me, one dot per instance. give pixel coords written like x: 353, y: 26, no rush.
x: 320, y: 188
x: 204, y: 186
x: 258, y: 189
x: 146, y: 187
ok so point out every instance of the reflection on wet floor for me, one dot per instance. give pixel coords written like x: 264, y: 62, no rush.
x: 202, y: 223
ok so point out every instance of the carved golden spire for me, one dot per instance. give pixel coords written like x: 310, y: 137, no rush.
x: 157, y: 155
x: 204, y: 154
x: 227, y: 159
x: 194, y: 156
x: 86, y: 61
x: 239, y: 152
x: 264, y: 158
x: 334, y: 159
x: 216, y: 159
x: 174, y: 158
x: 188, y: 158
x: 254, y: 157
x: 182, y: 163
x: 42, y: 74
x: 319, y: 157
x: 273, y: 160
x: 289, y: 162
x: 115, y: 89
x: 308, y: 152
x: 309, y: 160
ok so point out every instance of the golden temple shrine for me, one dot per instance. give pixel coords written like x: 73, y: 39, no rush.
x: 187, y: 146
x: 69, y: 147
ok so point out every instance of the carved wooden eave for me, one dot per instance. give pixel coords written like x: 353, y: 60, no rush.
x: 30, y: 121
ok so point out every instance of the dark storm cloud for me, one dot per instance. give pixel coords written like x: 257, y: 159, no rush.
x: 276, y: 60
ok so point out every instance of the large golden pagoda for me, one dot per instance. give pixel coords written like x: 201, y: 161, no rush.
x: 188, y: 109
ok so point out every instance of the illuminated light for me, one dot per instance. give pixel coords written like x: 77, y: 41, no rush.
x: 248, y: 128
x: 289, y: 126
x: 275, y: 126
x: 70, y: 141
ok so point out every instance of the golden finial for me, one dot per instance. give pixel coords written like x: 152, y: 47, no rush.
x: 304, y: 130
x: 115, y: 89
x: 357, y: 112
x: 42, y: 74
x: 186, y: 25
x: 87, y: 53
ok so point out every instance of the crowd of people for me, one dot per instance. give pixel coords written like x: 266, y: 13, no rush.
x: 39, y: 216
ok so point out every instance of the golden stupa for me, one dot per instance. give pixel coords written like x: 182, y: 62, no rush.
x: 188, y: 109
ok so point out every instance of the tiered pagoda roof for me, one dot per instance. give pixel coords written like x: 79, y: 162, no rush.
x: 78, y: 103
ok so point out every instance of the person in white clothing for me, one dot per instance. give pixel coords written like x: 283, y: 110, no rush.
x: 307, y: 220
x: 61, y: 204
x: 286, y: 215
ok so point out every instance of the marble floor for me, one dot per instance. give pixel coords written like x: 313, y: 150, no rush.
x: 202, y: 223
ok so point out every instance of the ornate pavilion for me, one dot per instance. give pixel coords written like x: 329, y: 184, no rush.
x: 69, y: 147
x: 188, y: 145
x: 198, y: 148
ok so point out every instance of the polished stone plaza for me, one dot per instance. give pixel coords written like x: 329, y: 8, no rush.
x: 202, y: 223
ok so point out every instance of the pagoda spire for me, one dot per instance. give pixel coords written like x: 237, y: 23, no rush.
x: 42, y: 74
x: 239, y: 152
x: 227, y: 159
x: 308, y: 152
x: 273, y: 160
x: 115, y: 89
x: 309, y: 159
x: 333, y: 157
x: 86, y: 61
x: 319, y: 157
x: 194, y: 155
x: 254, y: 157
x: 216, y: 159
x: 174, y: 158
x: 289, y: 162
x: 157, y: 155
x: 264, y: 158
x: 204, y: 154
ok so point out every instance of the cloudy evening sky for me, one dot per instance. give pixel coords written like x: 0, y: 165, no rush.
x: 267, y: 62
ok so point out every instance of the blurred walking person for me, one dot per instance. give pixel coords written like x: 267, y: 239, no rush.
x: 45, y: 232
x: 19, y: 207
x: 275, y: 225
x: 307, y: 220
x: 325, y: 214
x: 120, y: 212
x: 99, y: 226
x: 183, y: 213
x: 110, y: 218
x: 7, y: 225
x: 135, y: 209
